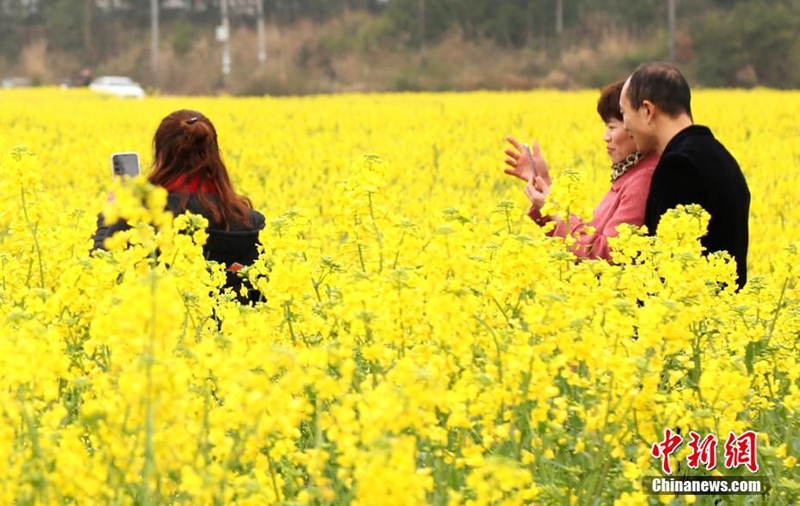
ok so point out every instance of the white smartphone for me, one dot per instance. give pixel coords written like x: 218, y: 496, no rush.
x: 125, y: 164
x: 530, y: 155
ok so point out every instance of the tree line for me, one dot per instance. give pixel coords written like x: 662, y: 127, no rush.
x: 723, y: 42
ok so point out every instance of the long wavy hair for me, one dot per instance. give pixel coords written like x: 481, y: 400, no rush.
x: 186, y: 150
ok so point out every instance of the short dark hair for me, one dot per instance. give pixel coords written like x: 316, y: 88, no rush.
x: 608, y: 103
x: 663, y: 85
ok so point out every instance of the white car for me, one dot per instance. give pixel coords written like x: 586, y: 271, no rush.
x: 117, y: 85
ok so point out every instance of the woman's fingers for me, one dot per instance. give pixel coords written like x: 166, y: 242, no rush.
x: 537, y: 150
x: 530, y: 189
x: 514, y: 142
x: 542, y: 184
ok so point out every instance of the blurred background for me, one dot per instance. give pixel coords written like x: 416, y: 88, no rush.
x: 281, y: 47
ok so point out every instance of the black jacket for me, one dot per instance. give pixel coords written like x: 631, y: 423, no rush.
x: 696, y: 169
x: 239, y: 245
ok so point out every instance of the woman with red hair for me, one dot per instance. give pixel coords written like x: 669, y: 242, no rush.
x: 188, y: 164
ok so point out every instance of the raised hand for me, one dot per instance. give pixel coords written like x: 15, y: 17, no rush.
x: 526, y: 163
x: 522, y: 165
x: 539, y: 163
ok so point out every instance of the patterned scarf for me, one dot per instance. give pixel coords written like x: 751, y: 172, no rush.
x: 620, y: 168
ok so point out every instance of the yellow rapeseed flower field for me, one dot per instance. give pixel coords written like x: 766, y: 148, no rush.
x: 423, y: 341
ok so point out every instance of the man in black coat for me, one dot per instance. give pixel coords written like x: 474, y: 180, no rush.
x: 694, y: 167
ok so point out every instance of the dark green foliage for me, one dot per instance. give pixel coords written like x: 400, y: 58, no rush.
x: 753, y: 42
x: 64, y: 18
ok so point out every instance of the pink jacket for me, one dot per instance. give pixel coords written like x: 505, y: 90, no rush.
x: 624, y: 203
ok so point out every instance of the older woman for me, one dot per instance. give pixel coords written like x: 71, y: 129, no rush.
x: 631, y: 173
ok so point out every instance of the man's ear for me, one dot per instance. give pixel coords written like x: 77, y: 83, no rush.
x: 649, y: 110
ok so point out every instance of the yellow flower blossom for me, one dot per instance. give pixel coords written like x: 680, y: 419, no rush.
x: 422, y: 340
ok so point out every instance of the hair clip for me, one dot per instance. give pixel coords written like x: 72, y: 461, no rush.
x: 191, y: 120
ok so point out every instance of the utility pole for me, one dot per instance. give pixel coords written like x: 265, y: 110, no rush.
x: 154, y: 41
x: 559, y: 16
x: 262, y: 42
x: 422, y: 27
x: 87, y: 33
x: 223, y: 35
x: 671, y: 24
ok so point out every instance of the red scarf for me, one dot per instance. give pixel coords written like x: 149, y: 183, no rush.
x: 184, y: 184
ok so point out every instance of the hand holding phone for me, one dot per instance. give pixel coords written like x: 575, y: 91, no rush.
x: 125, y: 164
x: 530, y: 157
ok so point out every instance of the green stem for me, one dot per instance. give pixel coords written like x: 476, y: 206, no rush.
x: 778, y: 309
x: 377, y: 233
x: 698, y: 368
x: 288, y: 315
x: 361, y: 258
x: 272, y: 474
x: 497, y: 348
x: 397, y: 251
x: 149, y: 448
x: 502, y: 311
x: 34, y: 438
x: 315, y: 285
x: 34, y: 230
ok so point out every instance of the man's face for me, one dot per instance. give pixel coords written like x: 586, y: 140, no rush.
x: 637, y: 122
